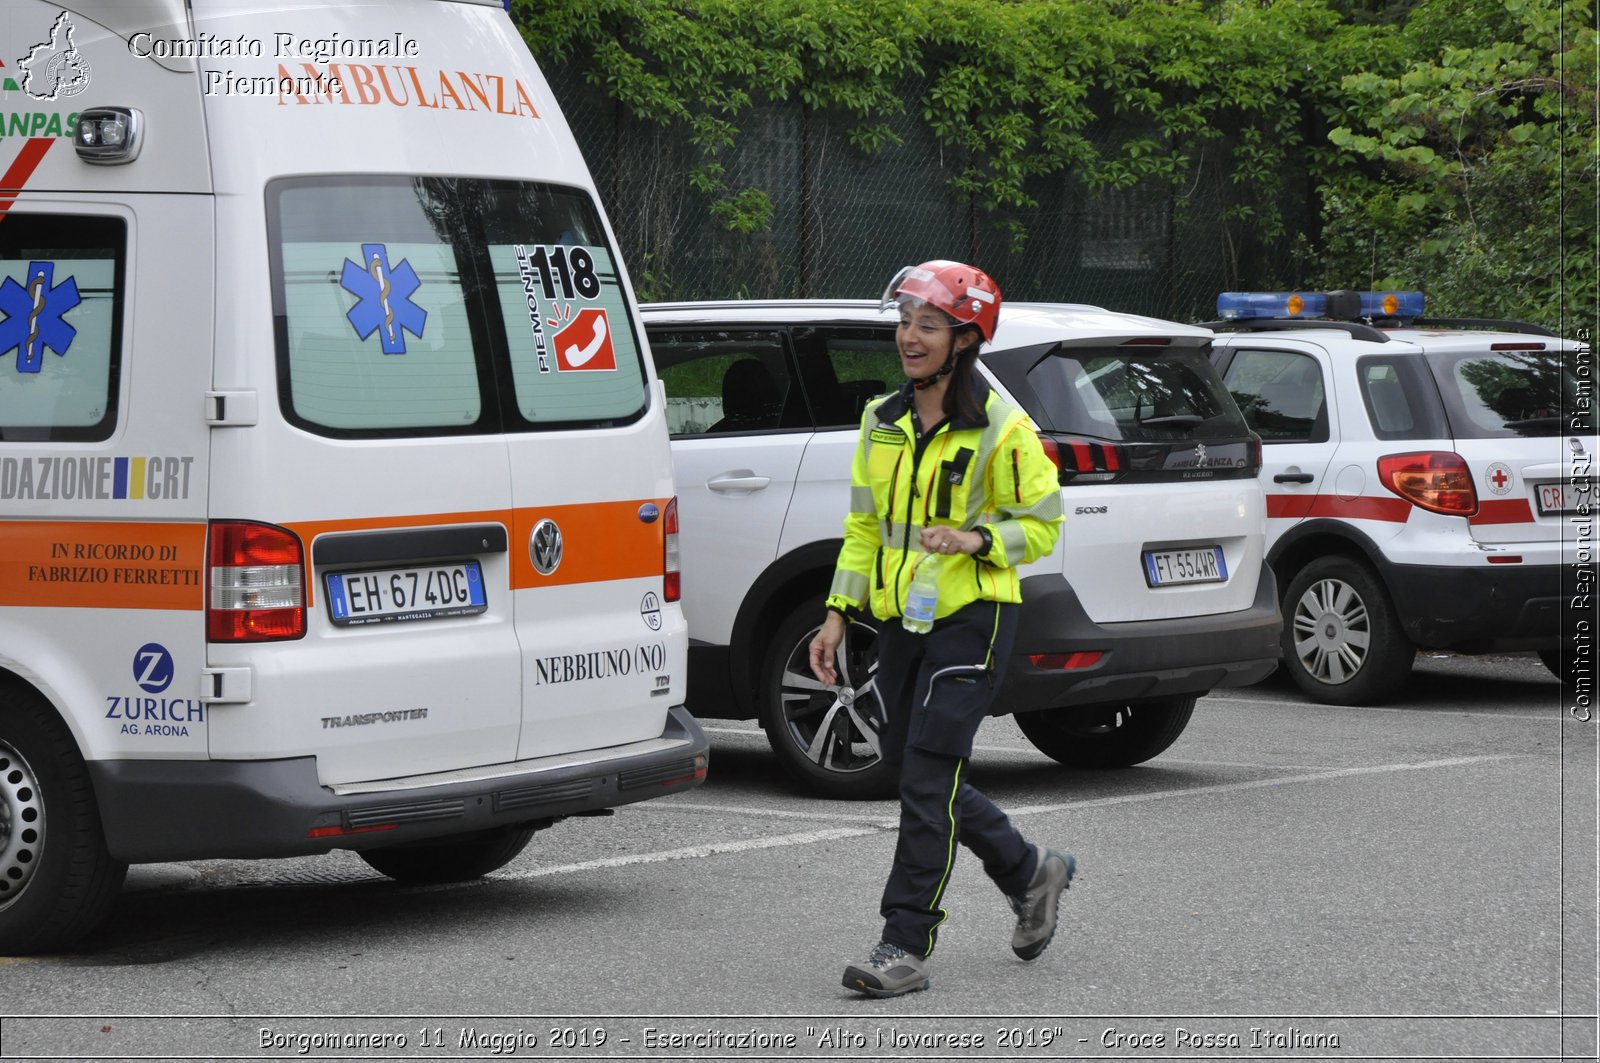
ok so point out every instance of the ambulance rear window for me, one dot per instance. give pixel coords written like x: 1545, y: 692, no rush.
x: 60, y: 325
x: 1507, y: 393
x: 432, y: 306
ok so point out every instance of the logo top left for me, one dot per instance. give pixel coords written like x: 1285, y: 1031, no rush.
x: 54, y: 69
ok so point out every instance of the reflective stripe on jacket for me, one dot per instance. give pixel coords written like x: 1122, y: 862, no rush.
x: 991, y: 471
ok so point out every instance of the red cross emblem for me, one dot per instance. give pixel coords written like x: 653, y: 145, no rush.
x: 1499, y: 478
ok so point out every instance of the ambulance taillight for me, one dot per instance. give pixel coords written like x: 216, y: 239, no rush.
x: 257, y: 583
x: 1437, y: 480
x: 672, y: 581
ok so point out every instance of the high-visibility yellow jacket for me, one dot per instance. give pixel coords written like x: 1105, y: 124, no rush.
x: 991, y: 472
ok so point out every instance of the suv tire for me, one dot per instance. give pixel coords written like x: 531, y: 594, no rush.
x: 1107, y: 736
x: 57, y: 881
x: 453, y: 860
x: 821, y: 734
x: 1342, y: 641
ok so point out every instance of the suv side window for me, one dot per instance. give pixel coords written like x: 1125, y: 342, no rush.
x: 61, y: 281
x: 1400, y: 399
x: 1280, y: 394
x: 842, y: 369
x: 723, y: 382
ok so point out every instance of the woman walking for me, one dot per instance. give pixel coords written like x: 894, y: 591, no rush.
x: 949, y: 476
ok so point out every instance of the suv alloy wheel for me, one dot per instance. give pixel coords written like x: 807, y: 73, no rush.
x: 826, y: 738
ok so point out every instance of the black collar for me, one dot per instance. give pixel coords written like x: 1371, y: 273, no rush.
x: 898, y: 405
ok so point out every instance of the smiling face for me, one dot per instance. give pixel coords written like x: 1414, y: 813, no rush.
x: 925, y: 337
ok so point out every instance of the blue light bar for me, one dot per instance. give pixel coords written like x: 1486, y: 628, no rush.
x: 1242, y: 306
x: 1350, y: 306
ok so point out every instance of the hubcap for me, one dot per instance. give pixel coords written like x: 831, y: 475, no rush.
x: 1332, y: 631
x: 836, y: 727
x: 21, y: 824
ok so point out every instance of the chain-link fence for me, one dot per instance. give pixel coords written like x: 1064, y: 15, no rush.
x: 843, y: 221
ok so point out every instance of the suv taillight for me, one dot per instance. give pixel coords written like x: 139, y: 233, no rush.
x: 1087, y: 460
x: 257, y: 583
x: 672, y: 580
x: 1435, y: 480
x: 1051, y: 451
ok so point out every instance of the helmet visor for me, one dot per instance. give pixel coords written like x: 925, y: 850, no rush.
x: 916, y: 282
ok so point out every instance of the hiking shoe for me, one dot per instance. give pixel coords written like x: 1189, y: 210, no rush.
x: 1036, y: 909
x: 888, y: 972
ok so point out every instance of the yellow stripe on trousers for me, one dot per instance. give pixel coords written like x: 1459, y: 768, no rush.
x: 949, y: 860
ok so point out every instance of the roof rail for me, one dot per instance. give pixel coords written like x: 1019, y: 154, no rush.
x: 1272, y: 324
x: 1525, y: 327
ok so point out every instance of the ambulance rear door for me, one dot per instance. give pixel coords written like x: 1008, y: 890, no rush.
x: 358, y: 381
x: 1507, y: 398
x: 591, y: 480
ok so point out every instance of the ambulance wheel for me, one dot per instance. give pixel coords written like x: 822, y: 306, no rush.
x: 57, y: 881
x: 1342, y: 642
x: 826, y: 738
x: 1107, y: 736
x: 450, y: 859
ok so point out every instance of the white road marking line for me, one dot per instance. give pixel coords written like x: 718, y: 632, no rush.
x: 694, y: 852
x: 1240, y: 764
x: 1419, y: 711
x: 1256, y: 784
x: 1029, y: 753
x: 697, y: 852
x: 682, y: 804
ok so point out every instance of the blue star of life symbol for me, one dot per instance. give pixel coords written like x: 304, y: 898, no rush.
x: 384, y: 294
x: 34, y: 316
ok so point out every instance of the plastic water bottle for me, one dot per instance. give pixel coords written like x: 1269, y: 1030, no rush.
x: 922, y: 599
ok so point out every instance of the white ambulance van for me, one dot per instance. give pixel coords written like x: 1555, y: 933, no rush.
x: 335, y: 493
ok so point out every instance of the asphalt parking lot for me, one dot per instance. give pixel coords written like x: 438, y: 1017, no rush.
x: 1412, y: 879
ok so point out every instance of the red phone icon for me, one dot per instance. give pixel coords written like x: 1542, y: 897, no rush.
x: 585, y: 343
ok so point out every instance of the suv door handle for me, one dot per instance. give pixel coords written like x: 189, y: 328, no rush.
x: 1293, y: 478
x: 742, y: 480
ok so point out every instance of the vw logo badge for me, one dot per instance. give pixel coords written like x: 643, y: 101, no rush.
x: 544, y: 546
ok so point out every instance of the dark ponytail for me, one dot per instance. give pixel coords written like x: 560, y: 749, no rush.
x: 962, y: 398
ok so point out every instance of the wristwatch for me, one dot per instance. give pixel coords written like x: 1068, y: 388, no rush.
x: 988, y: 540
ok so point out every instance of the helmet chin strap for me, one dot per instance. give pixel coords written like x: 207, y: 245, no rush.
x: 944, y: 371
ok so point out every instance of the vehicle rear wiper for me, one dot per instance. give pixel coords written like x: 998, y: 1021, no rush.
x: 1176, y: 420
x: 1523, y: 426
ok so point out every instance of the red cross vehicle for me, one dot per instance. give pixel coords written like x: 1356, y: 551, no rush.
x: 1425, y: 488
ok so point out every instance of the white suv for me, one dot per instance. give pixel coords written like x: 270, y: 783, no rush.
x: 1156, y: 594
x: 1418, y: 476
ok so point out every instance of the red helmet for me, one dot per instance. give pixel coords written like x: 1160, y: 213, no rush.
x: 965, y: 293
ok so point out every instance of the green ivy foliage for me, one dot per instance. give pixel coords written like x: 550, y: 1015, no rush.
x: 1468, y: 169
x: 1450, y: 143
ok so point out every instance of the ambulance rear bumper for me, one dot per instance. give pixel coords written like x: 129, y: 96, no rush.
x: 1481, y: 609
x: 159, y: 810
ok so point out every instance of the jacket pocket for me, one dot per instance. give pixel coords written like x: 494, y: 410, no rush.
x: 952, y: 484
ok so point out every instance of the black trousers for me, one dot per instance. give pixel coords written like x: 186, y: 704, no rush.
x: 936, y: 689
